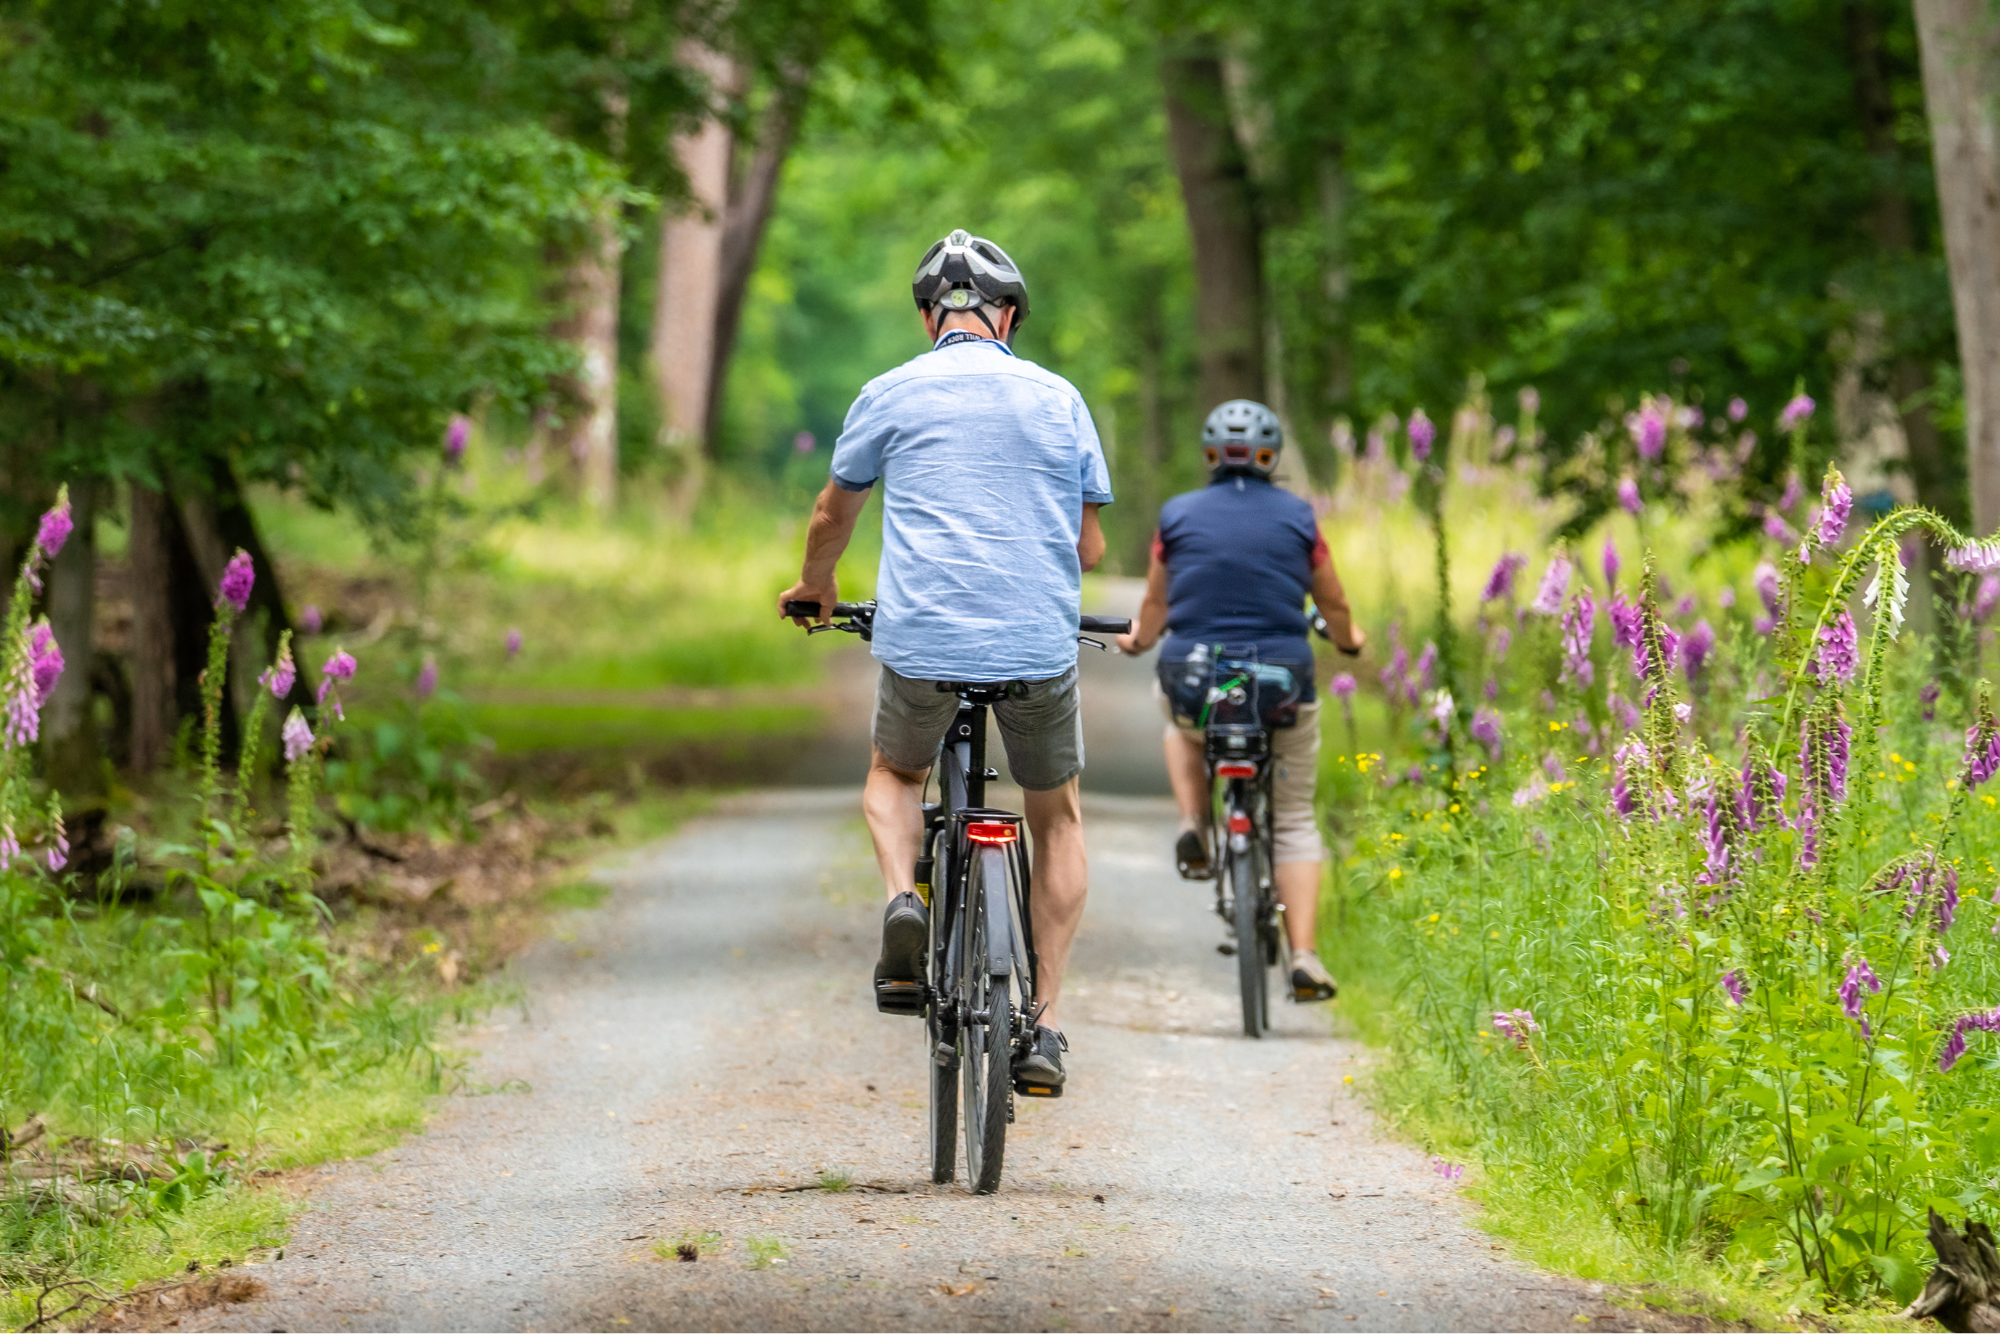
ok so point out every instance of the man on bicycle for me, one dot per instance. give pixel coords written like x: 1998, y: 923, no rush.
x: 1232, y: 566
x: 991, y: 474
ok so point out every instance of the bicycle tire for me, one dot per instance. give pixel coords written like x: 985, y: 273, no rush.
x: 1253, y: 976
x: 985, y: 1048
x: 941, y: 1029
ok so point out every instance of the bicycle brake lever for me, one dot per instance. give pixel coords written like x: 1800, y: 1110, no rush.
x: 1086, y: 640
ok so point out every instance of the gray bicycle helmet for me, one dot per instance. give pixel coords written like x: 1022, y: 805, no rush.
x: 1242, y: 437
x: 964, y: 273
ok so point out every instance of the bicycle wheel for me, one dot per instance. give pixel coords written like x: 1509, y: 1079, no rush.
x: 985, y: 1044
x: 942, y: 1030
x: 1252, y: 973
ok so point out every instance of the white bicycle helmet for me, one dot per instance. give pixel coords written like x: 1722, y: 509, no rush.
x: 1242, y: 437
x: 965, y: 273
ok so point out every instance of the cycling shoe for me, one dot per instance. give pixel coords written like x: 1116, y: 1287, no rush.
x: 899, y: 973
x: 1310, y: 980
x: 1039, y: 1072
x: 1191, y: 856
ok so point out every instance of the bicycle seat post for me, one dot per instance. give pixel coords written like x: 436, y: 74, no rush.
x: 972, y: 717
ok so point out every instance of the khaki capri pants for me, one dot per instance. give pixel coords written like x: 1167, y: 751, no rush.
x: 1295, y: 770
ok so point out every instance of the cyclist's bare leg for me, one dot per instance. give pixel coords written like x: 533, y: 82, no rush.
x: 1188, y: 774
x: 1061, y: 879
x: 1298, y: 892
x: 892, y: 801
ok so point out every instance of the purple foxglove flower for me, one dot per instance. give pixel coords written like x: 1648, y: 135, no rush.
x: 1531, y: 793
x: 1516, y: 1025
x: 1954, y: 1047
x: 1738, y: 410
x: 1974, y: 559
x: 1808, y: 828
x: 455, y: 437
x: 279, y: 677
x: 1623, y: 711
x: 1485, y: 730
x: 1626, y: 622
x: 1611, y: 565
x: 1982, y: 751
x: 10, y: 848
x: 58, y: 847
x: 1928, y: 698
x: 1696, y: 646
x: 237, y: 579
x: 1795, y: 413
x: 1422, y: 432
x: 1343, y: 685
x: 1651, y: 433
x: 1503, y: 440
x: 298, y: 739
x: 427, y: 678
x: 1732, y: 984
x: 1415, y: 774
x: 1503, y: 639
x: 1839, y: 652
x: 1627, y: 758
x: 340, y: 667
x: 1530, y: 400
x: 1727, y: 598
x: 1765, y: 578
x: 1688, y: 417
x: 1716, y: 868
x: 45, y: 660
x: 1794, y: 492
x: 1986, y: 598
x: 1628, y: 496
x: 1763, y: 625
x: 1685, y: 607
x: 514, y: 643
x: 1837, y: 500
x: 1859, y: 977
x: 310, y: 620
x: 55, y: 527
x: 1776, y: 529
x: 1578, y: 626
x: 1554, y: 587
x: 1492, y: 688
x: 1683, y: 712
x: 1500, y: 584
x: 1426, y: 669
x: 1552, y: 766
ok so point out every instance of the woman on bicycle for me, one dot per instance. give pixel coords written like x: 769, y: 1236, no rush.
x: 1232, y: 565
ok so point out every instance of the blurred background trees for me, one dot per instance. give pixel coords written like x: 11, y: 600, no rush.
x: 656, y: 247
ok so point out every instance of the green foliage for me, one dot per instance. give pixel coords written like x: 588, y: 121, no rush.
x: 1704, y: 980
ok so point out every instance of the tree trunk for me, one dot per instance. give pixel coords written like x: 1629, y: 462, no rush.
x: 1223, y: 224
x: 686, y: 301
x: 149, y: 560
x: 1890, y: 221
x: 750, y: 203
x: 589, y: 431
x: 69, y: 731
x: 1960, y: 44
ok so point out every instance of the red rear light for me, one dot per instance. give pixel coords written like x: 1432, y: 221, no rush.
x: 1236, y: 770
x: 991, y: 832
x: 1239, y: 823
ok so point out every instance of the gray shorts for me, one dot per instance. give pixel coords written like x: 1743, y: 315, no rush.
x: 1043, y: 731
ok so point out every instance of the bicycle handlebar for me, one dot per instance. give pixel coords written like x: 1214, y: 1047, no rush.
x: 863, y: 614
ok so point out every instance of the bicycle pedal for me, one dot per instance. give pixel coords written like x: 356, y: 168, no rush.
x: 1225, y: 948
x: 1191, y: 873
x: 1037, y: 1091
x: 900, y: 997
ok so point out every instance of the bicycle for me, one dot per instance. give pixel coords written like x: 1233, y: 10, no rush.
x: 979, y: 996
x: 1236, y: 750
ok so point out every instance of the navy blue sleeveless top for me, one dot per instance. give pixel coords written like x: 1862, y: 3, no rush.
x: 1240, y: 555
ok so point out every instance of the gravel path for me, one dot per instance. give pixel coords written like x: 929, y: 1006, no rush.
x: 705, y: 1043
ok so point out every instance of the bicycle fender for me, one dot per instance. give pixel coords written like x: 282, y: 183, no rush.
x: 999, y: 923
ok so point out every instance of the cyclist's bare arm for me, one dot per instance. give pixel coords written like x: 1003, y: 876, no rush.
x: 1090, y: 541
x: 1331, y: 600
x: 833, y: 519
x: 1152, y: 619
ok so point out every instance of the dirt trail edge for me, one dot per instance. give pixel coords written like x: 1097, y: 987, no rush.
x: 706, y: 1041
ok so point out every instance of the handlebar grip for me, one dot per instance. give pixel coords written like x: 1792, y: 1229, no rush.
x: 1109, y: 626
x: 798, y: 608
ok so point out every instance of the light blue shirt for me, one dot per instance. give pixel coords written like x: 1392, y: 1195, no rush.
x: 986, y: 462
